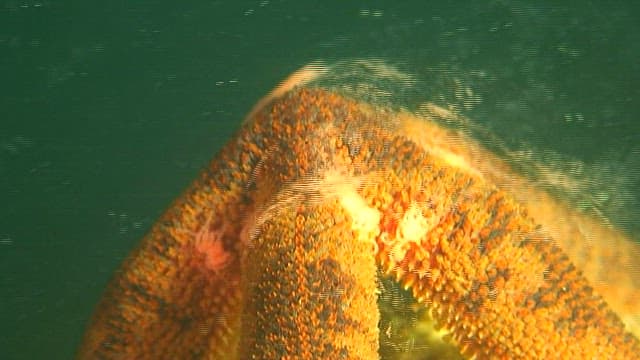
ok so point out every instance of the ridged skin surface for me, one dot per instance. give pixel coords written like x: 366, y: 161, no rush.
x: 276, y: 249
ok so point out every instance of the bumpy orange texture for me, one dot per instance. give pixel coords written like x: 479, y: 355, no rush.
x: 315, y: 202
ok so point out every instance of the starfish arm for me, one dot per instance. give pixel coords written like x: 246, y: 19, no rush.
x: 308, y: 266
x: 308, y: 295
x: 167, y: 298
x: 605, y: 255
x: 488, y: 273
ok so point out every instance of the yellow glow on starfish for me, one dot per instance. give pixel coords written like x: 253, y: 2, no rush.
x: 328, y: 228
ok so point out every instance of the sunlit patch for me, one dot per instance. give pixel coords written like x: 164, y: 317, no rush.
x: 413, y: 226
x: 365, y: 219
x: 411, y: 229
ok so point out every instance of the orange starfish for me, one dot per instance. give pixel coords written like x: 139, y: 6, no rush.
x: 320, y: 201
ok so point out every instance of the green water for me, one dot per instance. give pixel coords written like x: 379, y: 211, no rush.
x: 110, y: 108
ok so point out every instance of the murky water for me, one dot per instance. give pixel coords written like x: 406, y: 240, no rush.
x: 111, y: 109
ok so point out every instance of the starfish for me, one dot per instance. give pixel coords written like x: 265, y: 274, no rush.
x: 324, y: 215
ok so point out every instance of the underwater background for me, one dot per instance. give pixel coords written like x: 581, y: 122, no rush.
x: 110, y: 109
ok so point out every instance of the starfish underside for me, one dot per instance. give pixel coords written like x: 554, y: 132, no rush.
x: 339, y: 230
